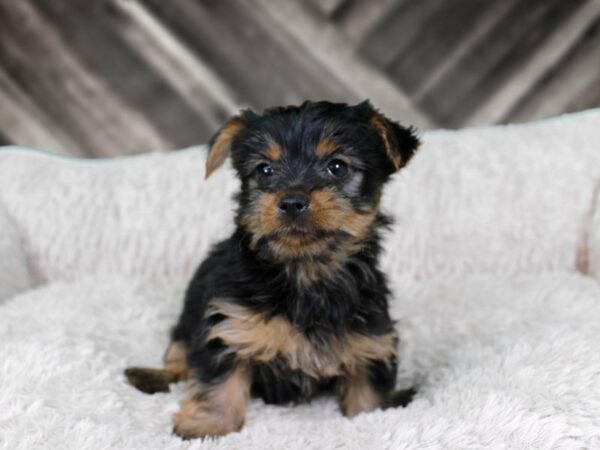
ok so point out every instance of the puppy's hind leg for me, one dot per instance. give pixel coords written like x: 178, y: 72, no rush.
x: 372, y: 387
x: 217, y: 408
x: 151, y: 380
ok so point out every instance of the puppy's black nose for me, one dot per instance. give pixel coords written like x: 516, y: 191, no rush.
x: 293, y: 205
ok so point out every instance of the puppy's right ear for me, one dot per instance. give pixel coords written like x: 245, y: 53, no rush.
x: 220, y: 144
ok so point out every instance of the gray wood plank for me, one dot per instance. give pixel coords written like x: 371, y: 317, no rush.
x: 538, y: 62
x: 359, y: 17
x: 4, y: 140
x: 393, y: 34
x: 571, y: 85
x: 93, y: 32
x: 332, y: 50
x: 328, y: 8
x: 196, y: 82
x: 23, y: 123
x: 492, y: 62
x: 447, y: 28
x: 262, y: 64
x: 123, y: 76
x: 587, y: 97
x: 40, y: 62
x: 487, y: 21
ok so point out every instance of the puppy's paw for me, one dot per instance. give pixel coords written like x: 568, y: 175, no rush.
x: 197, y: 419
x: 148, y: 380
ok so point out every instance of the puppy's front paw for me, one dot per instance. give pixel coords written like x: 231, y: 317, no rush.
x: 197, y: 419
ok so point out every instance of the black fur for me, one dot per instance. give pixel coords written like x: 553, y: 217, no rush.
x: 352, y: 297
x: 355, y: 299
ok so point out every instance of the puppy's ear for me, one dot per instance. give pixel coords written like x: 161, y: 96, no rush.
x: 220, y: 144
x: 400, y: 143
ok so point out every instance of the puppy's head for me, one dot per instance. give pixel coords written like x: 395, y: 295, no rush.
x: 312, y: 175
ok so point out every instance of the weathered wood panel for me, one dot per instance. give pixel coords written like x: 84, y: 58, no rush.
x: 41, y: 62
x: 572, y: 84
x: 448, y: 27
x: 93, y: 31
x: 250, y: 52
x: 4, y: 140
x: 330, y: 8
x: 358, y: 17
x: 115, y: 77
x: 324, y: 42
x: 494, y: 59
x: 534, y: 64
x: 21, y: 121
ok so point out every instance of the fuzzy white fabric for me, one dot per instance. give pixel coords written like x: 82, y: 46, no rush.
x: 497, y: 325
x: 14, y: 272
x: 593, y: 234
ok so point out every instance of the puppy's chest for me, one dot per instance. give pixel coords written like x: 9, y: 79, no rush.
x: 257, y: 339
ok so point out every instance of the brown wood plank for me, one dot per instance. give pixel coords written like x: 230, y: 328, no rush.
x: 93, y: 31
x: 572, y: 84
x: 251, y: 53
x: 40, y: 62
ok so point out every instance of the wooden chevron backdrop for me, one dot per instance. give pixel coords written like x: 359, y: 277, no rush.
x: 111, y: 77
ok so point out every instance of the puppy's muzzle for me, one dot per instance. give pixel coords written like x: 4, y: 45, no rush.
x: 293, y: 205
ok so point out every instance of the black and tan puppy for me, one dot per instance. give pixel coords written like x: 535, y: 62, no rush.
x: 293, y: 302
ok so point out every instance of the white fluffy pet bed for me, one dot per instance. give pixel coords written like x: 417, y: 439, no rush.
x: 493, y: 262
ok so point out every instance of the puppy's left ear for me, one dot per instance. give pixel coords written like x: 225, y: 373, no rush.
x: 400, y: 143
x: 220, y: 144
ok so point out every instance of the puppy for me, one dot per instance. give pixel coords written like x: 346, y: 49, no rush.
x: 293, y: 302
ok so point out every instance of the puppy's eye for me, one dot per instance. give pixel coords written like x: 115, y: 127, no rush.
x: 264, y: 170
x: 337, y: 168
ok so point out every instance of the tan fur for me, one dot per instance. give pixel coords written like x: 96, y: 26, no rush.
x: 297, y: 246
x: 273, y: 151
x: 263, y: 218
x: 221, y: 147
x: 325, y: 147
x: 175, y: 360
x: 331, y: 212
x: 390, y: 149
x: 357, y: 394
x: 254, y: 337
x: 307, y: 272
x: 215, y: 410
x: 327, y: 211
